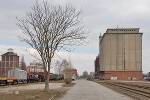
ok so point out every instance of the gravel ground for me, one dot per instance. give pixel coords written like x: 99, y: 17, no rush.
x: 88, y: 90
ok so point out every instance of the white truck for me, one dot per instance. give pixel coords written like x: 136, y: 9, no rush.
x: 73, y: 77
x: 20, y: 74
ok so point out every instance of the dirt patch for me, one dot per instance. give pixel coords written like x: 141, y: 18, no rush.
x: 33, y: 86
x: 33, y: 91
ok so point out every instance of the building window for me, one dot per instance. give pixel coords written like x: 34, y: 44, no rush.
x: 3, y: 58
x: 11, y: 58
x: 3, y: 64
x: 7, y: 64
x: 7, y: 58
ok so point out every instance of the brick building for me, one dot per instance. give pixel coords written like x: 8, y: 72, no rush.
x: 9, y: 60
x: 74, y: 71
x: 121, y: 54
x: 97, y: 67
x: 35, y: 67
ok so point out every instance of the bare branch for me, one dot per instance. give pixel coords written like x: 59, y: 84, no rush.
x: 49, y: 28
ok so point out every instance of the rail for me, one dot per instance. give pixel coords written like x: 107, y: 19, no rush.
x: 136, y: 91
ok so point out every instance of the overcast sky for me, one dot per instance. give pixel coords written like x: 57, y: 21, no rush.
x: 98, y: 16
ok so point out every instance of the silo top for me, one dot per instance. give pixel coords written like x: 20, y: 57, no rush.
x: 123, y: 30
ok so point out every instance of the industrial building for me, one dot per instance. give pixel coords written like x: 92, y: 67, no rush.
x: 10, y: 60
x: 35, y: 66
x: 96, y: 67
x: 120, y: 52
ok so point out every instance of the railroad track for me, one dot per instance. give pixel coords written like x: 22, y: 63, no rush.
x: 136, y: 91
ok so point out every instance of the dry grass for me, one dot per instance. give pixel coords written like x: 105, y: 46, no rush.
x: 57, y: 81
x: 37, y: 94
x: 68, y: 85
x: 29, y: 95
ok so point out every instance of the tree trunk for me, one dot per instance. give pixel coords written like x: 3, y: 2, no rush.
x: 47, y: 83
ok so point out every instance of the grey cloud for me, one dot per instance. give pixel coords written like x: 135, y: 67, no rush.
x: 98, y: 15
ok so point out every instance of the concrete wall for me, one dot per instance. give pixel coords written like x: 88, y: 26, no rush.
x: 121, y: 50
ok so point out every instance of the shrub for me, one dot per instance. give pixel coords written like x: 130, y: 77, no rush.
x: 68, y: 78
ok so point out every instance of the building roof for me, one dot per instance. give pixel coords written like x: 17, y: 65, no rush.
x: 73, y: 69
x: 10, y: 54
x: 123, y: 30
x: 120, y: 31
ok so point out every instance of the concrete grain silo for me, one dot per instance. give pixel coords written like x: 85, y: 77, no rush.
x: 121, y: 54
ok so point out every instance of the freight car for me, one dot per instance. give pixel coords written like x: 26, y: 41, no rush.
x: 20, y: 74
x: 14, y: 76
x: 8, y: 80
x: 42, y: 77
x: 57, y: 77
x: 52, y: 76
x: 32, y: 77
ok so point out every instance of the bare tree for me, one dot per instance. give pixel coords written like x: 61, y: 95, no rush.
x: 50, y: 28
x: 92, y: 75
x: 70, y: 64
x: 58, y: 67
x: 85, y: 74
x: 22, y: 63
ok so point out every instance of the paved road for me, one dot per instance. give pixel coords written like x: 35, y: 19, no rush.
x: 88, y: 90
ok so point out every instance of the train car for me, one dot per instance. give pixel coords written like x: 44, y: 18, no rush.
x: 32, y: 77
x: 58, y: 77
x: 20, y: 74
x: 41, y: 76
x: 52, y: 76
x: 8, y: 80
